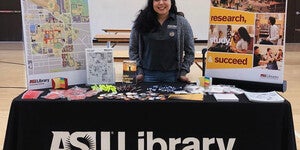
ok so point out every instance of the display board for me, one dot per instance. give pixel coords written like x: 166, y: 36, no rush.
x: 56, y: 34
x: 246, y: 40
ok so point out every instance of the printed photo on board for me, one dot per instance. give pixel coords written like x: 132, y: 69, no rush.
x: 259, y: 6
x: 269, y: 29
x: 231, y: 39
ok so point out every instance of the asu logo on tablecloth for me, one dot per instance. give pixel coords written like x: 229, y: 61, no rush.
x: 145, y: 140
x: 228, y: 60
x: 63, y: 140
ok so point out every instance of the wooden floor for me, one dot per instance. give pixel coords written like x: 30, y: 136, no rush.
x: 12, y: 73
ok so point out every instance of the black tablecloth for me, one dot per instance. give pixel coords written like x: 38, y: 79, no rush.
x: 171, y: 124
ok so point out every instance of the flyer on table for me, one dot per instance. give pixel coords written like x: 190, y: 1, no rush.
x: 246, y: 40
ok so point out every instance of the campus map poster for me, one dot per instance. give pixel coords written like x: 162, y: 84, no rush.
x: 56, y: 33
x: 246, y: 40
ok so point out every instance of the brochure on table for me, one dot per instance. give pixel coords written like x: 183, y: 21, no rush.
x: 55, y: 41
x: 100, y: 66
x: 226, y: 58
x: 271, y: 97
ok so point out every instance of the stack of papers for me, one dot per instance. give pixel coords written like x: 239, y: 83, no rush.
x: 195, y: 97
x: 272, y: 97
x: 220, y: 97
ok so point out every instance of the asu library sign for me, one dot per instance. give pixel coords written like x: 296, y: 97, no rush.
x: 144, y: 140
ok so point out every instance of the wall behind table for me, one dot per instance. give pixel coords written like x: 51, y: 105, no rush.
x: 121, y: 14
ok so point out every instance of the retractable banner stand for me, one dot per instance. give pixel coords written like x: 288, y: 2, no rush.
x: 246, y: 41
x: 56, y: 34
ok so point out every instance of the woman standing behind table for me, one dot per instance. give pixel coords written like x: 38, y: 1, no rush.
x: 162, y: 43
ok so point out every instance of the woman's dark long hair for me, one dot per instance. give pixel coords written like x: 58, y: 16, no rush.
x: 244, y: 34
x: 146, y: 21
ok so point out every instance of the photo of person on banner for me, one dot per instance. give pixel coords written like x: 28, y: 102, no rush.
x: 269, y: 29
x: 244, y: 43
x: 218, y: 39
x: 273, y: 33
x: 213, y: 31
x: 258, y: 59
x: 233, y: 39
x: 272, y: 64
x: 268, y: 57
x: 257, y: 30
x: 279, y: 55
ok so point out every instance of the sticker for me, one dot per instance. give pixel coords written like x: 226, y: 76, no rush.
x: 171, y: 34
x: 172, y: 26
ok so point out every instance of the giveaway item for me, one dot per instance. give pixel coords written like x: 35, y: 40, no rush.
x: 104, y: 88
x: 205, y: 81
x: 226, y: 97
x: 194, y: 97
x: 31, y: 94
x: 54, y: 94
x: 59, y: 83
x: 129, y: 71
